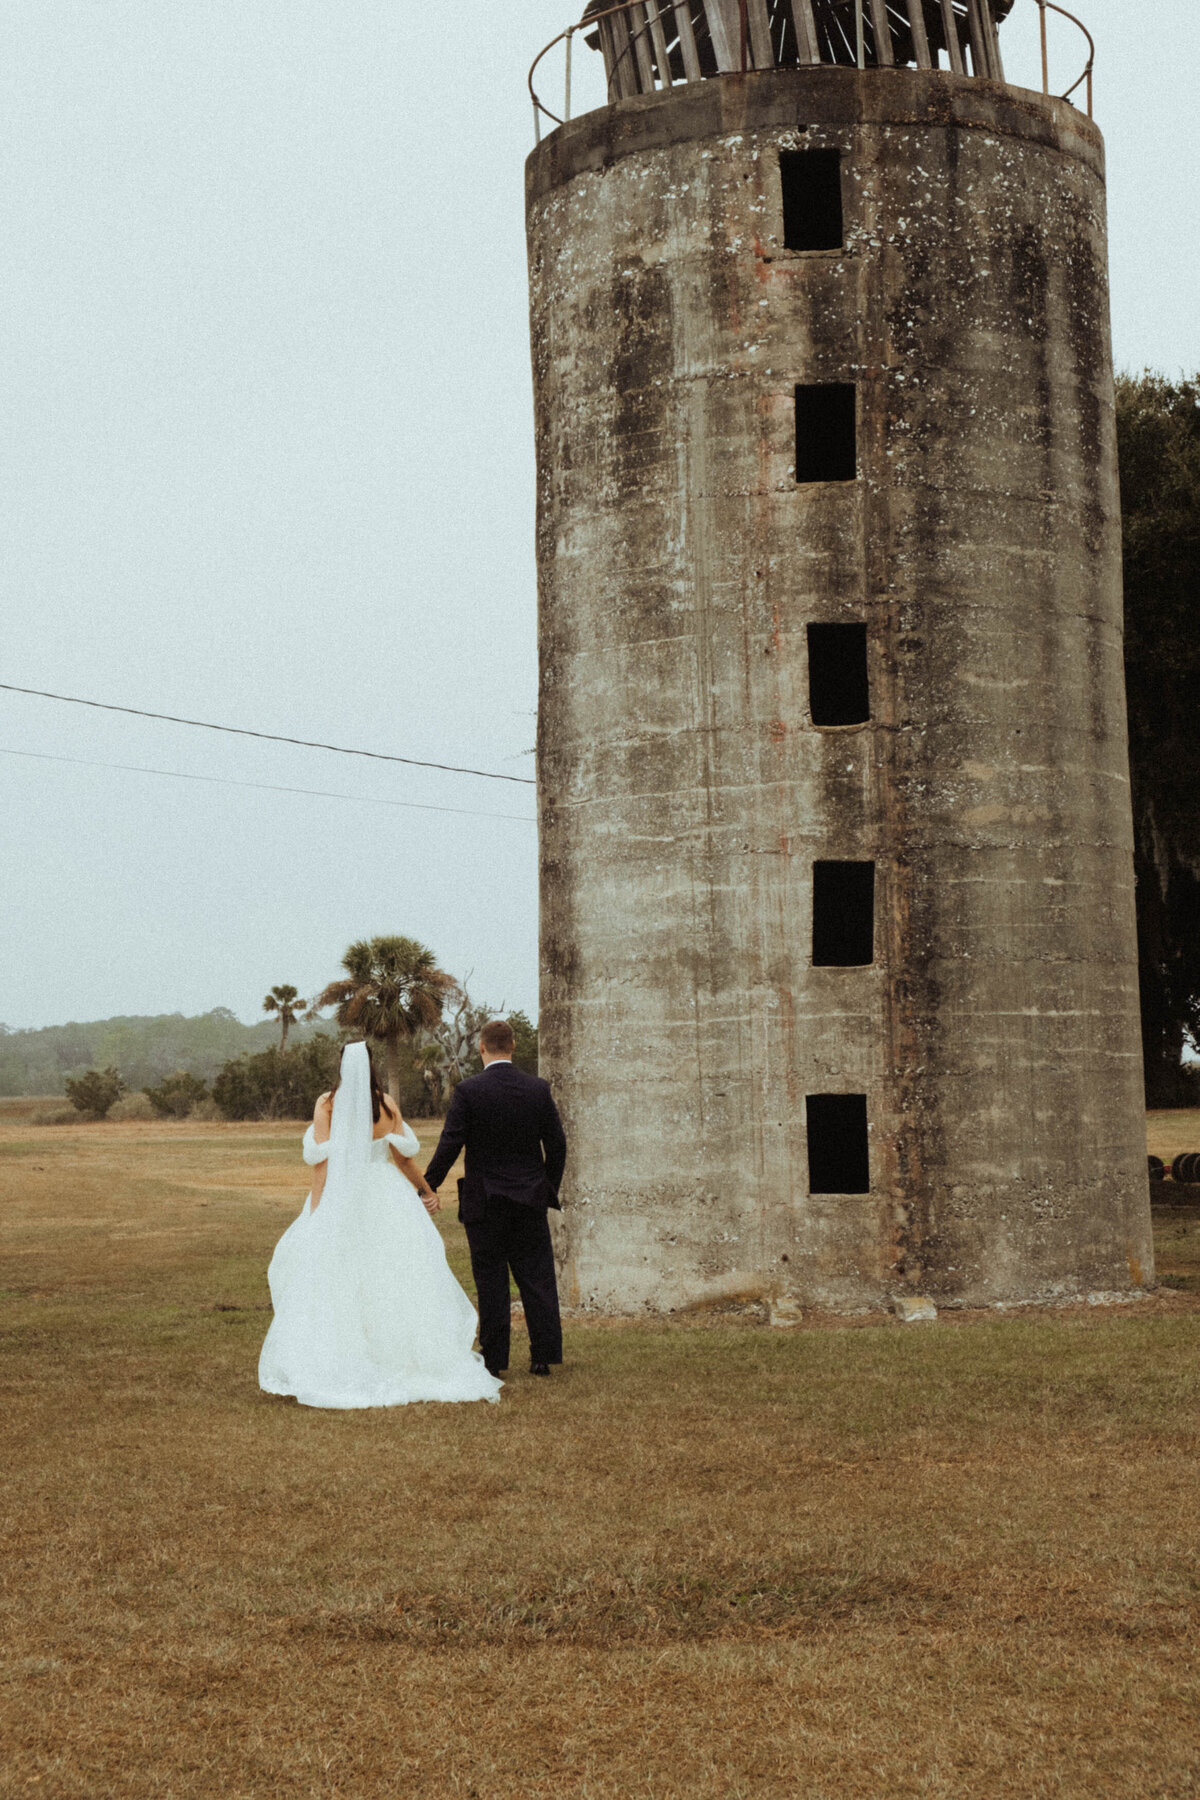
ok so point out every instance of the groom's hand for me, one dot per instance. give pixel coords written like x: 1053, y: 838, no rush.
x: 432, y: 1202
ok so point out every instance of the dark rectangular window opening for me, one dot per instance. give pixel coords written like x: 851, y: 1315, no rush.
x: 843, y: 915
x: 838, y: 690
x: 838, y: 1158
x: 826, y: 432
x: 812, y: 199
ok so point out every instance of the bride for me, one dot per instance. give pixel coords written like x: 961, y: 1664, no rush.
x: 367, y: 1312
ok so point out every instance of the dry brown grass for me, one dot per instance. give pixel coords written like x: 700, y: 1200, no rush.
x: 1177, y: 1230
x: 718, y: 1562
x: 1169, y: 1133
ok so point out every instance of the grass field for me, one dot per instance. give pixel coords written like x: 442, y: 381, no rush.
x: 708, y: 1560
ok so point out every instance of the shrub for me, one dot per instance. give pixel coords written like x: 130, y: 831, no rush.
x: 278, y: 1084
x: 176, y: 1096
x: 134, y: 1108
x: 95, y: 1092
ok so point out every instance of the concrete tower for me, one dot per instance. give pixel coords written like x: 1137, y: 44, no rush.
x: 838, y: 967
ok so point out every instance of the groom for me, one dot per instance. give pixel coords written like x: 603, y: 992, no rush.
x: 516, y: 1152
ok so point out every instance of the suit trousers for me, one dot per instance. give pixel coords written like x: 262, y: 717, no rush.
x: 510, y: 1236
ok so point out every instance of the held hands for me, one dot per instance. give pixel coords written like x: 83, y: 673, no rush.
x: 430, y: 1200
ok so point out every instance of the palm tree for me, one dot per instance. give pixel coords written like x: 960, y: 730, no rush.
x: 394, y: 990
x: 285, y: 1001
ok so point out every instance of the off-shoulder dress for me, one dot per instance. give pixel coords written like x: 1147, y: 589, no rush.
x: 367, y: 1310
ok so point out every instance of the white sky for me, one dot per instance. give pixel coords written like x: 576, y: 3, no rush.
x: 266, y: 458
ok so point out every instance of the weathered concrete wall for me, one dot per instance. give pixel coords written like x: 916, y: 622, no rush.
x: 685, y: 792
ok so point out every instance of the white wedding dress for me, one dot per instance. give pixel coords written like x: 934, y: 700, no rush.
x: 367, y: 1311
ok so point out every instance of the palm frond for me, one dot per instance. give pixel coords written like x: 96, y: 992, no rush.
x: 356, y: 1009
x: 335, y: 993
x: 358, y: 960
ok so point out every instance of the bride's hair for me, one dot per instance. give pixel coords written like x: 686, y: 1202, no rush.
x: 377, y: 1093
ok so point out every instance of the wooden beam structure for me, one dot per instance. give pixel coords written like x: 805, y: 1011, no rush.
x: 724, y: 28
x: 687, y: 40
x: 920, y: 37
x: 658, y: 37
x: 884, y: 54
x: 953, y: 41
x: 639, y: 27
x: 761, y: 49
x: 642, y: 39
x: 808, y: 45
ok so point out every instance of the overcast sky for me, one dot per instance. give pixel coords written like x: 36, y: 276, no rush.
x: 266, y: 459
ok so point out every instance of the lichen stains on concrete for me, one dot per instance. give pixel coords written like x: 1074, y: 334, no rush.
x: 685, y: 792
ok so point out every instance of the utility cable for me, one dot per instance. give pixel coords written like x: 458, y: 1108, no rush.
x: 268, y: 787
x: 411, y: 762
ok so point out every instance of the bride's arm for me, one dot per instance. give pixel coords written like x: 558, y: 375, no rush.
x: 406, y: 1165
x: 322, y: 1115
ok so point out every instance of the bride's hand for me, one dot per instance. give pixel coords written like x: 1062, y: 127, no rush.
x: 431, y: 1202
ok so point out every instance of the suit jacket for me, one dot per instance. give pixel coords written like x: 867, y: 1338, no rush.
x: 509, y: 1126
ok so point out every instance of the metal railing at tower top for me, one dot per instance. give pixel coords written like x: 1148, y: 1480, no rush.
x: 649, y: 45
x: 1052, y: 6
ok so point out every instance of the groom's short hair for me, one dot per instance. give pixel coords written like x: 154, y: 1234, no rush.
x: 497, y: 1038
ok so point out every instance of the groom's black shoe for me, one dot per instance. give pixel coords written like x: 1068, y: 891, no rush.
x: 539, y: 1368
x: 491, y: 1371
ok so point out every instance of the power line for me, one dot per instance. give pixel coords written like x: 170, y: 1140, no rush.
x: 266, y: 786
x: 137, y: 712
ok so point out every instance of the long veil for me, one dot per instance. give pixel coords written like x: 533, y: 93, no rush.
x: 349, y: 1131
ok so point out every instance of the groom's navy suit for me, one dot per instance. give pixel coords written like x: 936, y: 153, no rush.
x: 509, y: 1126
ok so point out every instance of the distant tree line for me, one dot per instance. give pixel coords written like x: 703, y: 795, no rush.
x: 144, y: 1049
x: 422, y: 1021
